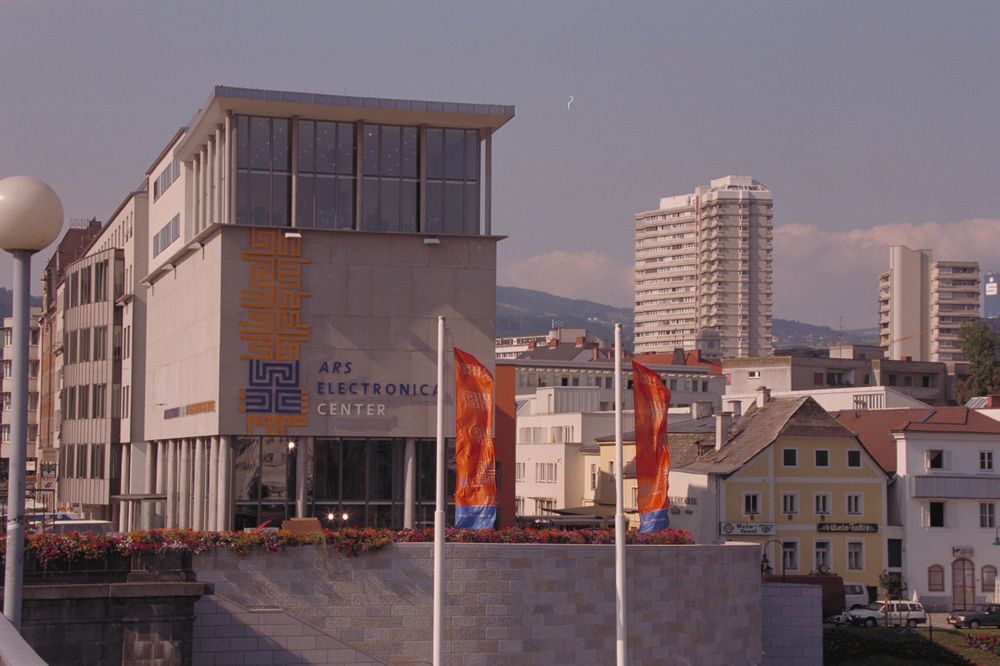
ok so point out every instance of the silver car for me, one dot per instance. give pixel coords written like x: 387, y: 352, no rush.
x: 889, y: 613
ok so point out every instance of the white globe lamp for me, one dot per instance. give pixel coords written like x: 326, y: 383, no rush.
x: 31, y: 217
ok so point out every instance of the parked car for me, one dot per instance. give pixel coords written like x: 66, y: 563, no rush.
x: 985, y: 616
x: 855, y: 596
x: 889, y: 613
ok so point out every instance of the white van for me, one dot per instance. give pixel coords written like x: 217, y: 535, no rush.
x: 96, y: 526
x: 855, y: 596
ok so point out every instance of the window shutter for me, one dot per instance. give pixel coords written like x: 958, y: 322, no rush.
x: 925, y: 515
x: 927, y: 460
x: 947, y: 460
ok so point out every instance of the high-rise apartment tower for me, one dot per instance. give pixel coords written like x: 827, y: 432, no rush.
x: 703, y: 264
x: 923, y: 304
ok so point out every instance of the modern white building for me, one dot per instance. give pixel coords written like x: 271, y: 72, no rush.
x: 5, y: 397
x: 944, y: 496
x: 703, y: 262
x: 923, y: 304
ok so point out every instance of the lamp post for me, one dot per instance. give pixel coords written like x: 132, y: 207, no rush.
x: 31, y: 217
x: 765, y: 565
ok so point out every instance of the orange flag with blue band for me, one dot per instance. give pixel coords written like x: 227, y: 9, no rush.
x: 652, y: 455
x: 475, y: 459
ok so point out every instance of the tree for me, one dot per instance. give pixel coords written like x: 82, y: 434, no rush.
x: 981, y: 346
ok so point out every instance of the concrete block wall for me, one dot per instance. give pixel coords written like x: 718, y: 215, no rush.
x: 792, y: 624
x: 506, y: 604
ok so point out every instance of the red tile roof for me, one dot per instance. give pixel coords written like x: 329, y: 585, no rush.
x: 875, y: 427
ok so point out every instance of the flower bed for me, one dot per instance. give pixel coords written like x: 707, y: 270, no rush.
x: 985, y: 643
x: 51, y: 549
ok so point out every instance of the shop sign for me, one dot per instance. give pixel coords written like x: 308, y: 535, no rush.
x: 963, y: 551
x: 853, y: 528
x: 746, y: 529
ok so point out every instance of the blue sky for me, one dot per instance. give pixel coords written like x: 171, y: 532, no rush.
x: 872, y: 123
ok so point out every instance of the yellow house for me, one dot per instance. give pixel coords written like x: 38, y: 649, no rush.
x: 793, y: 479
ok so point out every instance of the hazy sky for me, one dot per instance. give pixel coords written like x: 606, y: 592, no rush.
x: 871, y: 122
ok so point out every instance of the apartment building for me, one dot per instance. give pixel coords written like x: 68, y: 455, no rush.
x: 703, y: 262
x: 944, y: 497
x: 991, y: 295
x: 789, y: 476
x: 5, y: 398
x: 923, y: 304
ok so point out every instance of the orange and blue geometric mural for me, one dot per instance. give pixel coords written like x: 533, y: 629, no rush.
x: 273, y: 398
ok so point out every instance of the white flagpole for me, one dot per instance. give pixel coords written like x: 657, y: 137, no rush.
x: 439, y: 508
x: 621, y: 628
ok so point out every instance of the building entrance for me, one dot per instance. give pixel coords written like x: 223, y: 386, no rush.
x: 963, y: 585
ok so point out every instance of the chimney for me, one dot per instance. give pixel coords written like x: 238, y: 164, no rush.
x: 553, y: 343
x: 677, y: 358
x: 580, y: 340
x: 993, y: 401
x: 700, y: 409
x: 722, y: 422
x: 532, y: 344
x: 763, y: 396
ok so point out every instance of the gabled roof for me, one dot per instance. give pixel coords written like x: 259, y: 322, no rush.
x: 760, y: 427
x: 875, y: 427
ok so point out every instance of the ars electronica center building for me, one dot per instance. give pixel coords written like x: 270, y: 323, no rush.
x: 299, y: 250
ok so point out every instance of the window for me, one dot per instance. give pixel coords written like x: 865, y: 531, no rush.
x: 854, y: 458
x: 751, y: 504
x: 611, y: 469
x: 327, y: 161
x: 753, y: 374
x: 452, y: 181
x: 519, y: 506
x: 789, y: 503
x: 69, y: 408
x: 855, y: 504
x: 818, y: 378
x: 170, y: 232
x: 593, y: 476
x: 5, y: 432
x: 935, y: 578
x: 85, y: 285
x: 263, y: 171
x: 935, y: 459
x: 892, y: 380
x: 935, y: 514
x: 925, y: 381
x: 166, y: 178
x: 100, y: 343
x: 821, y: 560
x: 790, y: 457
x: 821, y: 502
x: 855, y: 555
x: 790, y: 555
x: 519, y: 471
x: 81, y: 461
x: 986, y: 461
x: 546, y: 472
x: 101, y: 281
x: 822, y: 458
x: 989, y: 576
x: 84, y: 351
x: 635, y: 497
x: 83, y: 402
x: 895, y: 552
x: 8, y: 337
x: 543, y: 503
x: 71, y: 347
x: 100, y: 391
x: 987, y: 514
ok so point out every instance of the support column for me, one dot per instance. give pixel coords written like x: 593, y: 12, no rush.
x: 488, y: 186
x: 203, y: 199
x: 161, y: 482
x: 198, y: 517
x: 230, y: 214
x: 184, y: 484
x: 224, y: 507
x: 409, y: 483
x: 125, y: 489
x: 150, y: 485
x: 170, y: 515
x: 302, y: 454
x: 217, y: 176
x: 212, y: 483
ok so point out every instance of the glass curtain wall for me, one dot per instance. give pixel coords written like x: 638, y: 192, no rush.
x: 357, y: 477
x: 327, y: 185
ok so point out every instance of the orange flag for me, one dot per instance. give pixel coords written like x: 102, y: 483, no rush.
x: 652, y: 455
x: 475, y: 459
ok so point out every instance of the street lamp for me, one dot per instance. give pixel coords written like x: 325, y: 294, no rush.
x: 765, y: 565
x: 31, y: 217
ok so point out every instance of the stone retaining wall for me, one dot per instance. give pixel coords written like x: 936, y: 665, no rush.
x: 792, y: 624
x: 506, y: 604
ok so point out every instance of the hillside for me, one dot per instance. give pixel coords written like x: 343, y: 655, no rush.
x: 531, y: 312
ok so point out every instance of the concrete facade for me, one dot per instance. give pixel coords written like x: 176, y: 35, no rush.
x: 506, y: 604
x: 33, y: 381
x: 703, y: 262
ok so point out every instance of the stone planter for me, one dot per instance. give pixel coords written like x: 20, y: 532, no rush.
x: 172, y: 566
